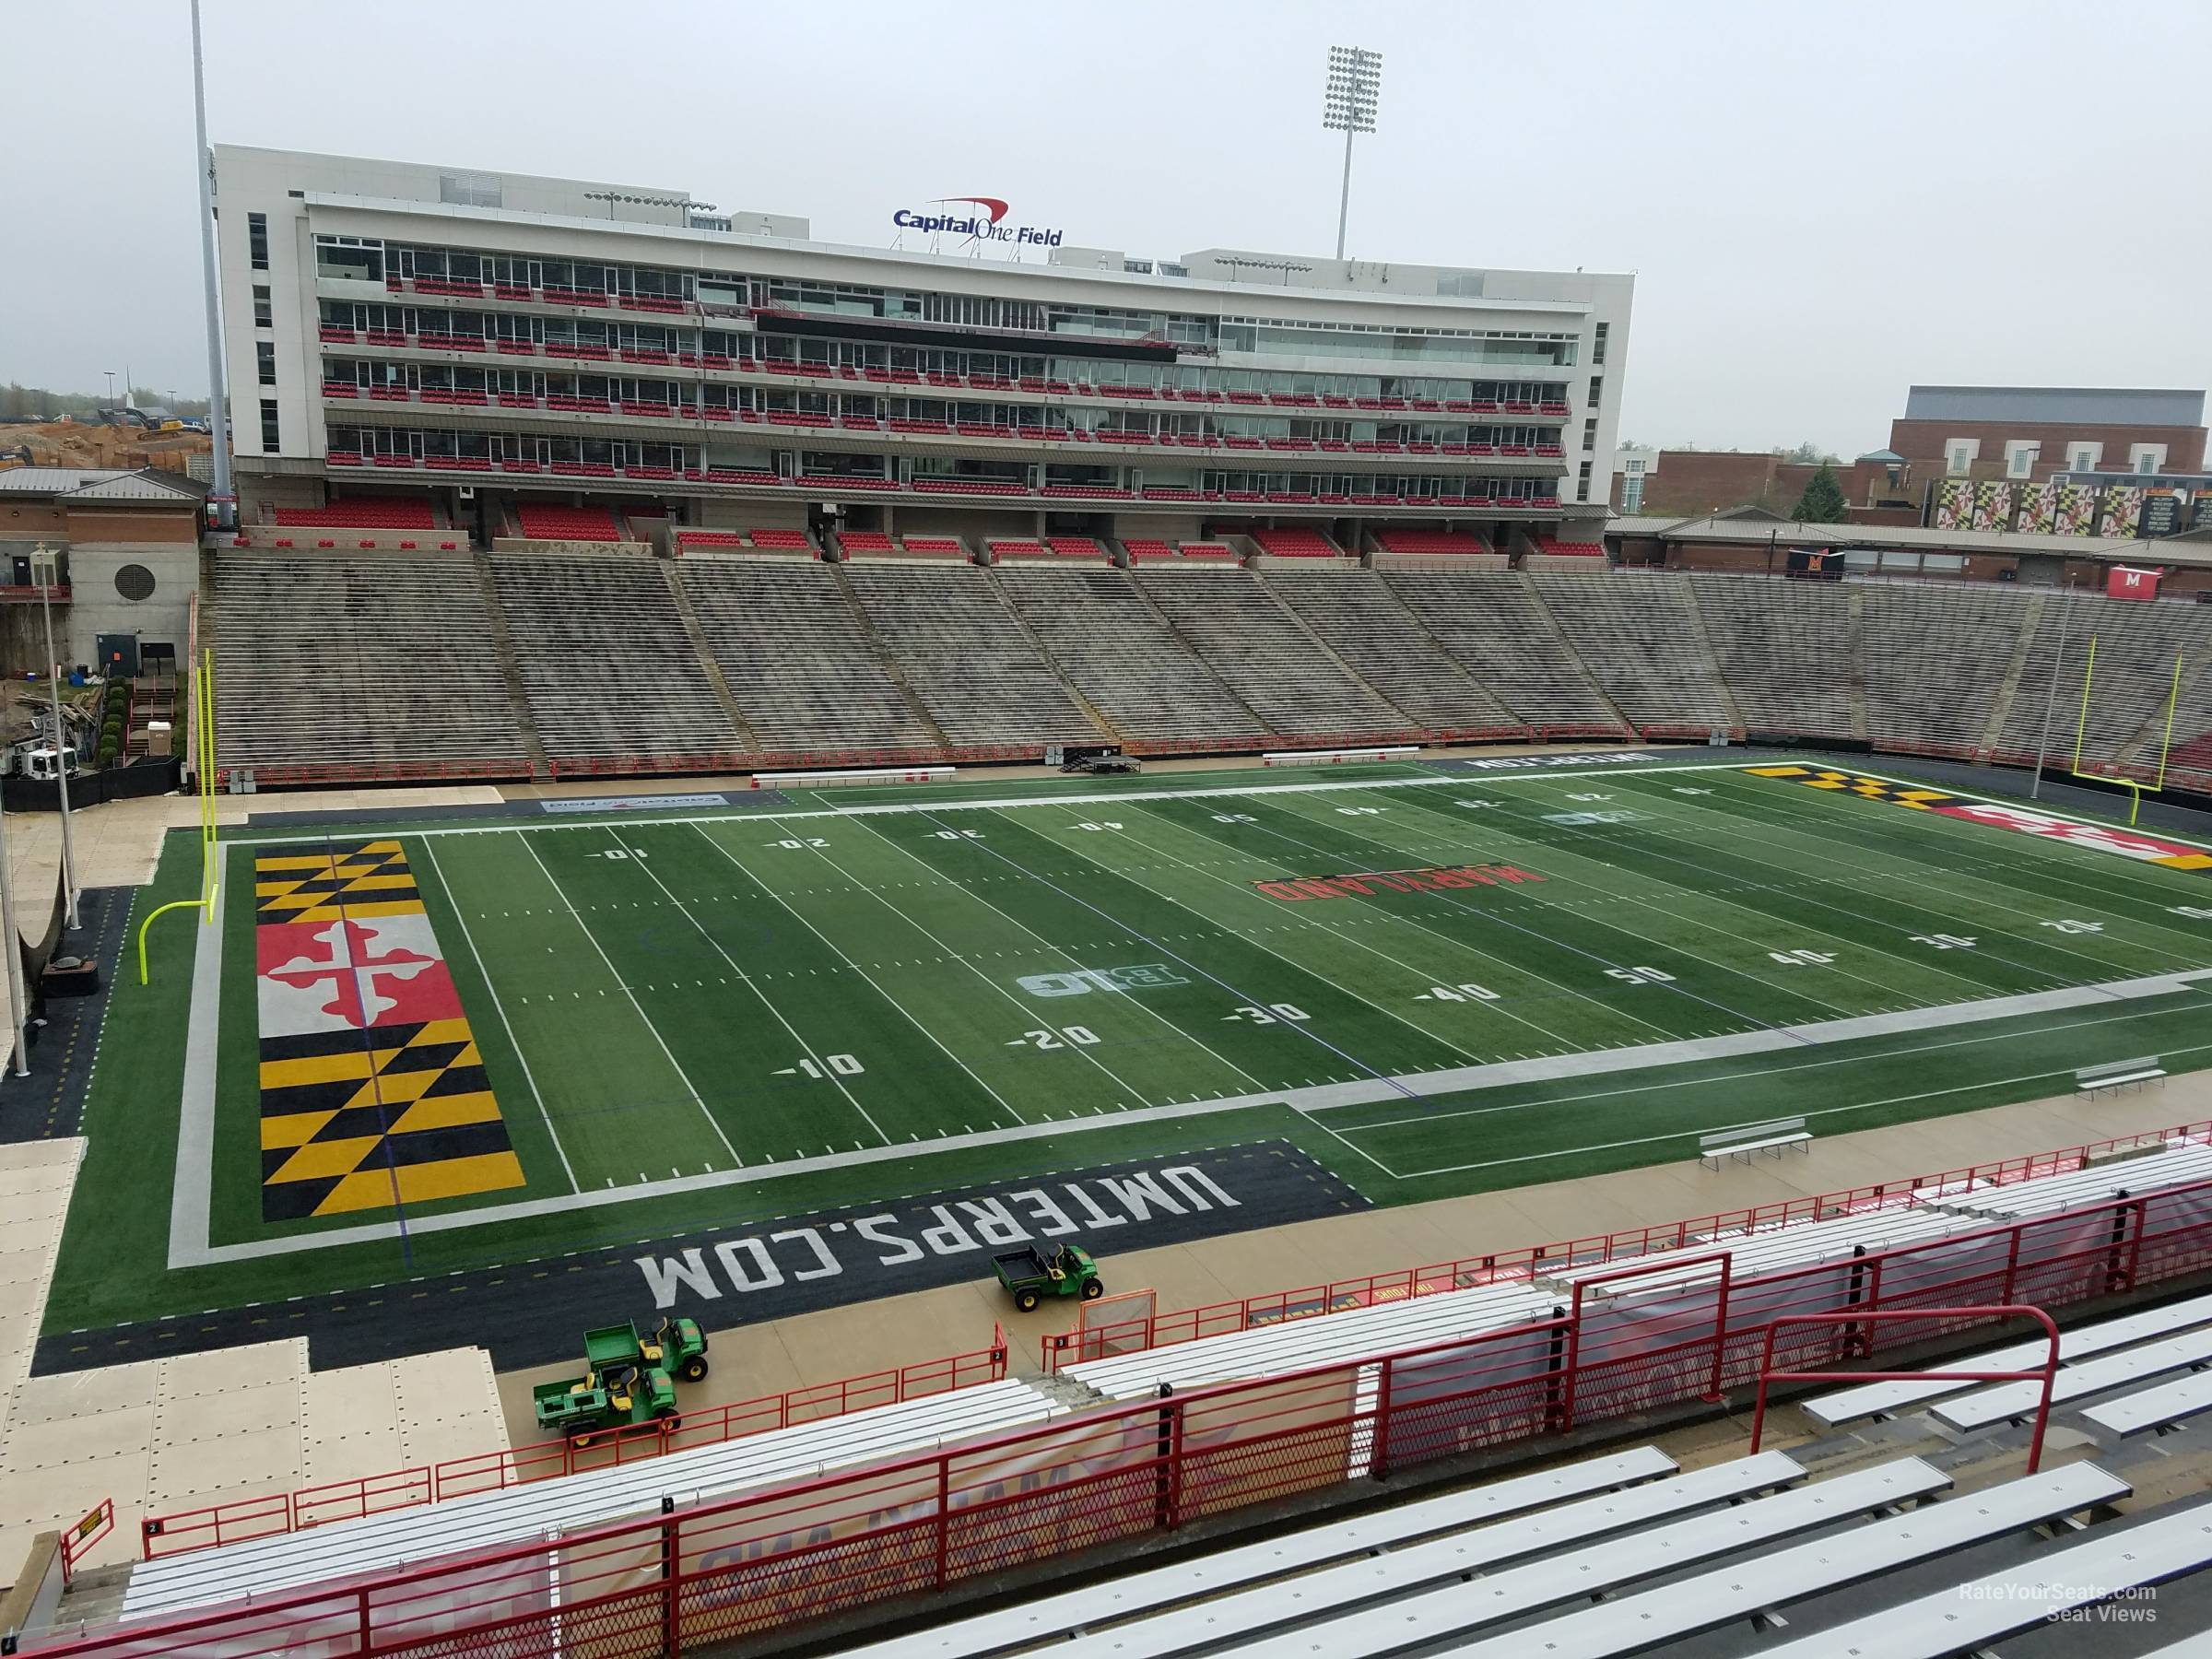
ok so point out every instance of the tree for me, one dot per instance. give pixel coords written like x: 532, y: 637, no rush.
x: 1822, y: 502
x: 1809, y: 453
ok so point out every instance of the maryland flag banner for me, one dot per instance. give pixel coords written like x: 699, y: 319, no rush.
x: 372, y: 1094
x: 2077, y: 509
x: 1954, y: 504
x: 1992, y: 506
x: 2123, y: 505
x: 2038, y: 506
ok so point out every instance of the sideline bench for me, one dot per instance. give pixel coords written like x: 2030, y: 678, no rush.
x: 2119, y: 1074
x: 1773, y: 1138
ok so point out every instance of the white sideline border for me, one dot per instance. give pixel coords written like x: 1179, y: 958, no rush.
x: 189, y: 1245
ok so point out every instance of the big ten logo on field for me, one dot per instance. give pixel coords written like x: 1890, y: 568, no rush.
x: 1081, y: 981
x: 920, y: 1233
x: 1367, y: 883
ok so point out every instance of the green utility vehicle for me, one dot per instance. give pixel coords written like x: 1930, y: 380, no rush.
x: 626, y: 1379
x: 604, y: 1402
x: 1030, y: 1275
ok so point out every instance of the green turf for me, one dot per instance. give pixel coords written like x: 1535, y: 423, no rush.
x: 744, y: 989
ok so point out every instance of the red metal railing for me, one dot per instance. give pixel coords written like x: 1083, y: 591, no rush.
x: 1854, y: 1320
x: 277, y: 1513
x: 738, y: 1568
x: 1157, y: 1329
x: 79, y: 1540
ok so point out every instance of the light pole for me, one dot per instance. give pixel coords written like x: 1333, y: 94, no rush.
x: 222, y: 500
x: 42, y: 563
x: 111, y: 374
x: 1355, y: 84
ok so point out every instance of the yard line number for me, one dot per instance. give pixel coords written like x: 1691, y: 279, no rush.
x: 1081, y: 1036
x: 839, y: 1065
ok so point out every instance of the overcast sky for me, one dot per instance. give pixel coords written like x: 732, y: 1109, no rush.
x: 1822, y: 204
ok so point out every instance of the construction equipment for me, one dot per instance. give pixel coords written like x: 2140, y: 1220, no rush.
x: 1029, y: 1277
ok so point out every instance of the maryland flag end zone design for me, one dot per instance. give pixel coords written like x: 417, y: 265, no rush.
x: 372, y: 1092
x: 2000, y: 815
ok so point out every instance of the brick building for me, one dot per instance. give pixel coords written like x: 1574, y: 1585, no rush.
x: 1877, y: 488
x: 2031, y: 434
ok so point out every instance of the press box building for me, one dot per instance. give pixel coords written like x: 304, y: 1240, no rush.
x: 519, y: 349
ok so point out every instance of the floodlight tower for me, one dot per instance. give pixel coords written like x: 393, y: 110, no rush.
x: 1355, y: 86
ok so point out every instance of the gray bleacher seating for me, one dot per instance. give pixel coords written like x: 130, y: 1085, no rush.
x: 486, y: 1521
x: 1245, y: 637
x: 2126, y: 1370
x: 1549, y: 1496
x: 2162, y: 1407
x: 795, y: 657
x: 2112, y: 1561
x: 390, y: 660
x: 1935, y: 656
x: 1784, y: 650
x: 383, y: 659
x: 1866, y: 1400
x: 1460, y: 1612
x: 1635, y: 633
x: 2137, y: 644
x: 966, y: 655
x: 1114, y: 649
x: 606, y: 661
x: 1707, y: 1601
x: 1490, y: 621
x: 1358, y: 617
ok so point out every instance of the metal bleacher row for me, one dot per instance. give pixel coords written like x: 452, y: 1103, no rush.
x: 485, y: 1521
x: 1877, y: 1536
x: 1899, y: 1522
x: 917, y: 651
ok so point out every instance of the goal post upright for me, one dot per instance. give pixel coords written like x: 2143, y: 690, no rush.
x: 203, y: 706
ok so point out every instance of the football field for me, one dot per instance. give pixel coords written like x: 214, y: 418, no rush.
x: 460, y: 1043
x: 819, y: 984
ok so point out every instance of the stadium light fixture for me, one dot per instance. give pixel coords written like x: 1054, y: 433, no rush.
x: 1355, y: 87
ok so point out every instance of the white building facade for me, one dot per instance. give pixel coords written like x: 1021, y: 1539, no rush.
x: 393, y: 329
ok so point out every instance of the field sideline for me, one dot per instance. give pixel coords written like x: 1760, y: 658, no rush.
x: 1429, y: 982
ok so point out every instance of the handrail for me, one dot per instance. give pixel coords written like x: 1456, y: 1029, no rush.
x: 758, y: 1563
x: 2047, y: 1372
x: 272, y: 1513
x: 79, y: 1540
x: 1159, y: 1329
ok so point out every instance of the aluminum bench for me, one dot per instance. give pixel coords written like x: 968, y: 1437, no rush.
x: 1773, y: 1138
x: 2084, y: 1341
x: 2162, y: 1408
x: 1691, y: 1606
x: 2116, y: 1074
x: 2009, y: 1400
x: 1966, y: 1617
x: 1463, y: 1610
x: 1055, y: 1618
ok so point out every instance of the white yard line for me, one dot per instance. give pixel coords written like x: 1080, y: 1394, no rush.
x: 521, y: 1059
x: 1305, y: 1100
x: 746, y: 870
x: 1064, y: 955
x: 1653, y: 1140
x: 1305, y: 917
x: 623, y: 985
x: 952, y: 955
x: 953, y: 803
x: 1627, y: 765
